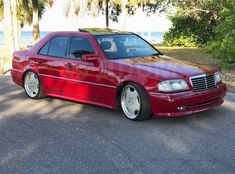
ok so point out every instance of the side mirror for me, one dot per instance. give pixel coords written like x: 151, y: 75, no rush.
x: 89, y: 57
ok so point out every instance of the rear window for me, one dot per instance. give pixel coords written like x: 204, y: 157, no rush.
x: 58, y: 46
x: 45, y: 48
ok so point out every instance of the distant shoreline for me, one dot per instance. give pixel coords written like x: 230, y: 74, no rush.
x: 154, y: 37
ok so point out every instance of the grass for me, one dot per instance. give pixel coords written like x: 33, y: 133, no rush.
x: 196, y: 55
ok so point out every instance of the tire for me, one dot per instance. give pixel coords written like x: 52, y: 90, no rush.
x: 32, y: 86
x: 134, y: 102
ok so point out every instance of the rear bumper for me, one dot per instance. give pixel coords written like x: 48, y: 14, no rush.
x: 186, y: 103
x: 17, y: 76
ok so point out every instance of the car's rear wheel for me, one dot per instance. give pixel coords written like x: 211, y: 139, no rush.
x: 32, y: 86
x: 134, y: 102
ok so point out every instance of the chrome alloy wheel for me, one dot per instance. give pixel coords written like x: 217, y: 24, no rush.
x: 31, y: 84
x: 130, y: 102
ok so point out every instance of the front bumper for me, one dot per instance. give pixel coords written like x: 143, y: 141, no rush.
x: 186, y: 103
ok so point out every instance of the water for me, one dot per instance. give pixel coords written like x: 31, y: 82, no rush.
x: 27, y: 37
x: 152, y: 37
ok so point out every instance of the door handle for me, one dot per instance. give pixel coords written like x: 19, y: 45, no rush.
x: 68, y: 65
x: 40, y: 61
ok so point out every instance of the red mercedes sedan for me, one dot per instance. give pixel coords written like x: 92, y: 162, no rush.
x: 116, y: 70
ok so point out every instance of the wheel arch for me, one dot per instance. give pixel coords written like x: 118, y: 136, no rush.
x: 145, y: 111
x: 41, y: 93
x: 121, y: 86
x: 25, y: 72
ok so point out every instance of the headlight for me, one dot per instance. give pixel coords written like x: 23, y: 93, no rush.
x: 172, y: 85
x: 218, y: 77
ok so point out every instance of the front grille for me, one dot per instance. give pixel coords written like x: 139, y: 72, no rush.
x: 203, y: 82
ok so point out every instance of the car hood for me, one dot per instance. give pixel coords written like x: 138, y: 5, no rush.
x: 162, y: 63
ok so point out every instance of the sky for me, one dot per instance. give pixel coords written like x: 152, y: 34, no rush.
x: 54, y: 20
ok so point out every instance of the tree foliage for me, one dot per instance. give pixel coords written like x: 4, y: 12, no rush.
x: 210, y: 24
x: 30, y: 11
x: 25, y: 11
x: 194, y: 19
x: 223, y: 46
x: 116, y: 7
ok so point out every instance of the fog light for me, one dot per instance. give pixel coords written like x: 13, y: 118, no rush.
x: 181, y: 108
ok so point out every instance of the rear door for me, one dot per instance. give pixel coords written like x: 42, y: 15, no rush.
x: 51, y: 60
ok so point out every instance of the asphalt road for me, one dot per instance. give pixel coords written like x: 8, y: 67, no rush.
x: 57, y: 136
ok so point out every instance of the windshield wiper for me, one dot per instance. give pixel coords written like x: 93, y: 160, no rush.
x: 155, y: 54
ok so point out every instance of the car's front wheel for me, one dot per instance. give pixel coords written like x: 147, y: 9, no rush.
x: 32, y: 86
x: 134, y: 102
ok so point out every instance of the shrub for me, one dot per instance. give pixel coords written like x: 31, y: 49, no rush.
x: 187, y: 41
x: 212, y: 27
x: 223, y: 46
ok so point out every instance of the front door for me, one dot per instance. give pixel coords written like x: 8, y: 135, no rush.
x: 51, y: 59
x: 85, y: 78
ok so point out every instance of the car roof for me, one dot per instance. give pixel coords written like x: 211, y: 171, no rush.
x: 84, y: 31
x: 102, y: 31
x: 92, y: 31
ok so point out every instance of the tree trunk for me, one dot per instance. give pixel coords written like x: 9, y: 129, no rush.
x: 36, y: 31
x: 107, y: 13
x: 11, y: 28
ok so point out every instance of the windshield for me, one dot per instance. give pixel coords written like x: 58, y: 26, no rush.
x: 118, y: 46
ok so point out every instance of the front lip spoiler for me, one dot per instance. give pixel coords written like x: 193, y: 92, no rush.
x: 192, y: 101
x: 191, y: 111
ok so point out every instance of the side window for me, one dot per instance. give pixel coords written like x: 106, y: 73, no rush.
x: 58, y: 46
x: 80, y: 46
x: 44, y: 49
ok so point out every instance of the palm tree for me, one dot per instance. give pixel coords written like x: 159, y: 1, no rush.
x: 36, y: 30
x: 111, y: 8
x: 36, y: 16
x: 11, y: 25
x: 16, y: 13
x: 90, y: 7
x: 30, y: 12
